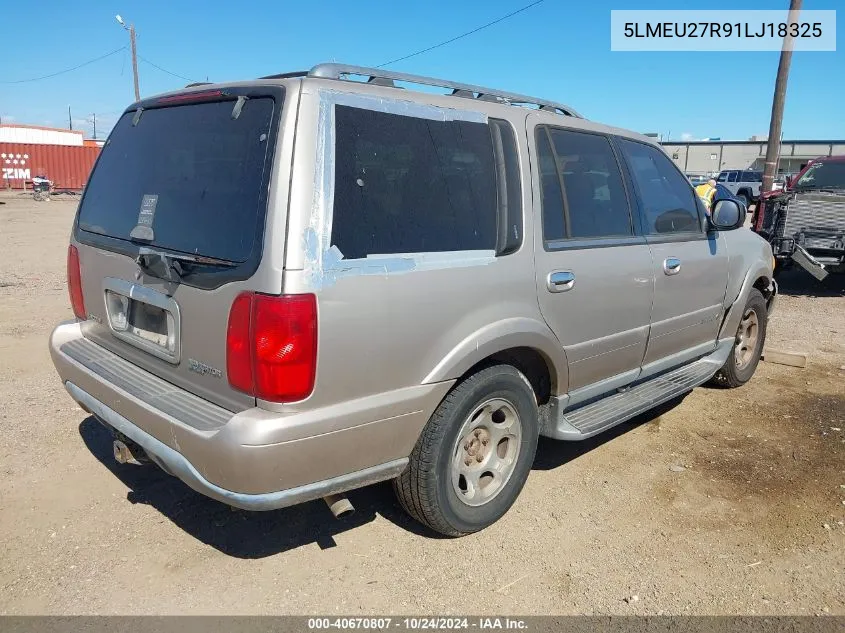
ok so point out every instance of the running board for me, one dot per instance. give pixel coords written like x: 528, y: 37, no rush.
x: 588, y: 420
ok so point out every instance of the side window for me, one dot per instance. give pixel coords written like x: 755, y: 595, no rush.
x: 752, y: 176
x: 733, y: 176
x: 554, y: 223
x: 409, y: 185
x: 667, y: 199
x: 722, y: 177
x: 594, y: 203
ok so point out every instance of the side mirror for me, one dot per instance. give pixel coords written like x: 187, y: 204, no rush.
x: 726, y: 216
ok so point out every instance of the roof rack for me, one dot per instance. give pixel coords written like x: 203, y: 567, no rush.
x: 198, y: 83
x: 381, y: 77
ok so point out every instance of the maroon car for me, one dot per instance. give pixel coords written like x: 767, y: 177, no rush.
x: 805, y: 222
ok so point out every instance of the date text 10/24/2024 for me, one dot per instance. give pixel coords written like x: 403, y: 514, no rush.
x: 418, y: 623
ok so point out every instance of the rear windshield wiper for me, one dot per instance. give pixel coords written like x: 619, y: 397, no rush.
x: 173, y: 266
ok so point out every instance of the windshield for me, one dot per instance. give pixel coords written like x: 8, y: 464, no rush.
x: 823, y: 175
x: 187, y: 178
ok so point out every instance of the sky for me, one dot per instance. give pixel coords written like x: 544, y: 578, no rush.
x: 558, y: 50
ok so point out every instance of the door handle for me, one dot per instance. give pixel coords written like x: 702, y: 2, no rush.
x: 671, y: 265
x: 560, y: 281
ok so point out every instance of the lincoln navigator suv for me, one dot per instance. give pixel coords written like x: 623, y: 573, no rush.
x: 291, y: 287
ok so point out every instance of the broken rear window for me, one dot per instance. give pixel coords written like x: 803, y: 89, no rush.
x: 410, y: 185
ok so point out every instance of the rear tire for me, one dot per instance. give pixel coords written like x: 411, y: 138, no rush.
x: 748, y: 347
x: 474, y: 454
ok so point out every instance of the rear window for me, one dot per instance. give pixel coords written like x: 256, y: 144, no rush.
x: 410, y: 185
x: 194, y: 174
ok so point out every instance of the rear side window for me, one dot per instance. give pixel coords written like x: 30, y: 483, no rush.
x: 593, y: 202
x: 195, y: 171
x: 752, y: 176
x: 733, y: 176
x: 405, y: 184
x: 666, y: 196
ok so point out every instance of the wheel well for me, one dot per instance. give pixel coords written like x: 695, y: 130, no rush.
x: 762, y: 284
x: 536, y: 367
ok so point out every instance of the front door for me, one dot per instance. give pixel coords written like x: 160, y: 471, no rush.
x: 594, y: 272
x: 690, y: 264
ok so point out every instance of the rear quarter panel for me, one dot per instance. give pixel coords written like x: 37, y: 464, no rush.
x: 386, y: 330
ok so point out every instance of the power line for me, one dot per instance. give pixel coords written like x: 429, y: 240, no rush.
x: 462, y: 35
x: 67, y: 70
x: 164, y: 70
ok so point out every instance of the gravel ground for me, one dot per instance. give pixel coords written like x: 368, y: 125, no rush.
x: 727, y: 502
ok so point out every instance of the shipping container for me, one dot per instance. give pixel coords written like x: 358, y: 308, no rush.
x: 35, y: 134
x: 67, y: 166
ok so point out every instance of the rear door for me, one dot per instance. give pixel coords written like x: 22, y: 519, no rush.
x: 186, y: 177
x: 690, y: 265
x: 594, y: 273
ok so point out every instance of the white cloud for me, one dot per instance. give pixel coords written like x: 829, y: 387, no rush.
x: 686, y: 136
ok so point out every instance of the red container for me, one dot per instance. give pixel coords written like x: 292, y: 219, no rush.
x: 67, y: 166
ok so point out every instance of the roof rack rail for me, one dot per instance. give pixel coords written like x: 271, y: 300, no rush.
x: 198, y: 83
x: 381, y: 77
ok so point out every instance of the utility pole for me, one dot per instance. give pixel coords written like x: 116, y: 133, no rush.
x: 69, y: 119
x: 135, y: 60
x: 131, y: 29
x: 776, y: 123
x: 94, y: 117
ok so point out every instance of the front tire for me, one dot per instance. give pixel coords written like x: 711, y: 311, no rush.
x: 474, y: 454
x: 743, y: 198
x: 748, y: 346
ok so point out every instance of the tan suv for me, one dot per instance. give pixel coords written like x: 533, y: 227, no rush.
x: 292, y: 287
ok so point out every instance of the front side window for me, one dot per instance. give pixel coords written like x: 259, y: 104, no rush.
x: 583, y: 168
x: 404, y: 184
x: 722, y: 177
x: 667, y: 198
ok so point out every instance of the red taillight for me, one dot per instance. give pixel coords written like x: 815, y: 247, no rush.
x: 238, y: 346
x: 271, y: 346
x: 74, y: 283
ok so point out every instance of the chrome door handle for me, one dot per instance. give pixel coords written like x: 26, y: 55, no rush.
x: 671, y: 265
x: 560, y: 281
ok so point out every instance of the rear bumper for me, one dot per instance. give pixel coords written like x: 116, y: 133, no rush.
x: 308, y: 454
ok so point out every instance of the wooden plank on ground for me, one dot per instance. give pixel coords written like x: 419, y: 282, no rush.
x: 793, y: 359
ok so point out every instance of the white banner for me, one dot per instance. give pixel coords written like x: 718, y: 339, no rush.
x: 715, y: 30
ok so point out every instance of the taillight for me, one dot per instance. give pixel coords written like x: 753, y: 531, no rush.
x: 74, y: 283
x: 271, y: 346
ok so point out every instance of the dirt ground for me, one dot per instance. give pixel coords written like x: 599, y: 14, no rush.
x: 727, y: 502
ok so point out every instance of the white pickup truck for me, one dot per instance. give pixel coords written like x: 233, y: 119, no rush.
x: 744, y: 184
